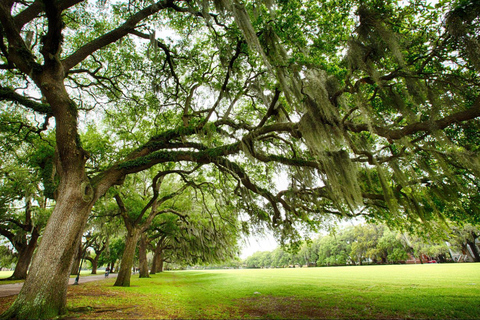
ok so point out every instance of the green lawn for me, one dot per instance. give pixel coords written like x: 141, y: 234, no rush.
x: 405, y: 291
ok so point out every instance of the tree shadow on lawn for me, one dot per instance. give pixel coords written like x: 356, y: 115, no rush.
x: 101, y: 304
x: 279, y: 307
x: 93, y: 302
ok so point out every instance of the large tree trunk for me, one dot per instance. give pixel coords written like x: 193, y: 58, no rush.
x: 44, y: 292
x: 157, y: 264
x: 155, y: 261
x: 160, y: 263
x: 25, y: 256
x: 94, y: 262
x: 142, y: 256
x: 158, y: 257
x: 125, y: 272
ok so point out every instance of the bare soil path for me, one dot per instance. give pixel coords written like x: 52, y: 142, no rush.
x: 14, y: 288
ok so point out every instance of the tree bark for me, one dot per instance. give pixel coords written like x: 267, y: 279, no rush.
x: 153, y: 269
x: 25, y: 256
x: 94, y: 265
x: 125, y: 272
x: 94, y: 262
x: 156, y: 253
x: 44, y: 292
x: 112, y: 267
x: 160, y: 262
x: 474, y: 249
x: 142, y: 256
x: 157, y: 264
x: 76, y: 261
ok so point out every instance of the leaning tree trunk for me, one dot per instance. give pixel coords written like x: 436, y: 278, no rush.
x: 473, y: 247
x: 76, y: 261
x: 25, y: 256
x: 125, y: 272
x: 142, y: 256
x: 44, y: 293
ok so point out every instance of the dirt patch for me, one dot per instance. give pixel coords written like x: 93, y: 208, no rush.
x: 290, y: 307
x: 266, y: 306
x: 6, y: 302
x: 102, y: 312
x: 93, y: 301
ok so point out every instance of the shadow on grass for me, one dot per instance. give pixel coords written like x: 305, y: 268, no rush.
x: 290, y: 307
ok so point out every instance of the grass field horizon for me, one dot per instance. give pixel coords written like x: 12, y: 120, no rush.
x: 433, y: 291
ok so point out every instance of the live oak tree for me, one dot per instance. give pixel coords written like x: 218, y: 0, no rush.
x: 81, y: 253
x: 138, y: 212
x: 365, y: 107
x: 107, y: 232
x: 98, y: 245
x: 207, y: 232
x: 23, y: 205
x: 183, y: 212
x: 464, y: 238
x: 112, y: 253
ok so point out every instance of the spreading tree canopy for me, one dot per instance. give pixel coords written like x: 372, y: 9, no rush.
x: 361, y: 107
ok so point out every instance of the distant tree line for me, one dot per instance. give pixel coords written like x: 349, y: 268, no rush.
x: 373, y: 244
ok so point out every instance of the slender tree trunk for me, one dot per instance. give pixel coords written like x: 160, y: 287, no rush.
x: 160, y: 262
x: 94, y: 260
x: 466, y: 251
x: 44, y: 293
x: 76, y: 260
x: 476, y: 254
x: 25, y: 257
x: 142, y: 256
x: 125, y: 272
x: 153, y: 269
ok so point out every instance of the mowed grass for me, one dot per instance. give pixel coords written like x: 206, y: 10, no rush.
x: 435, y: 291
